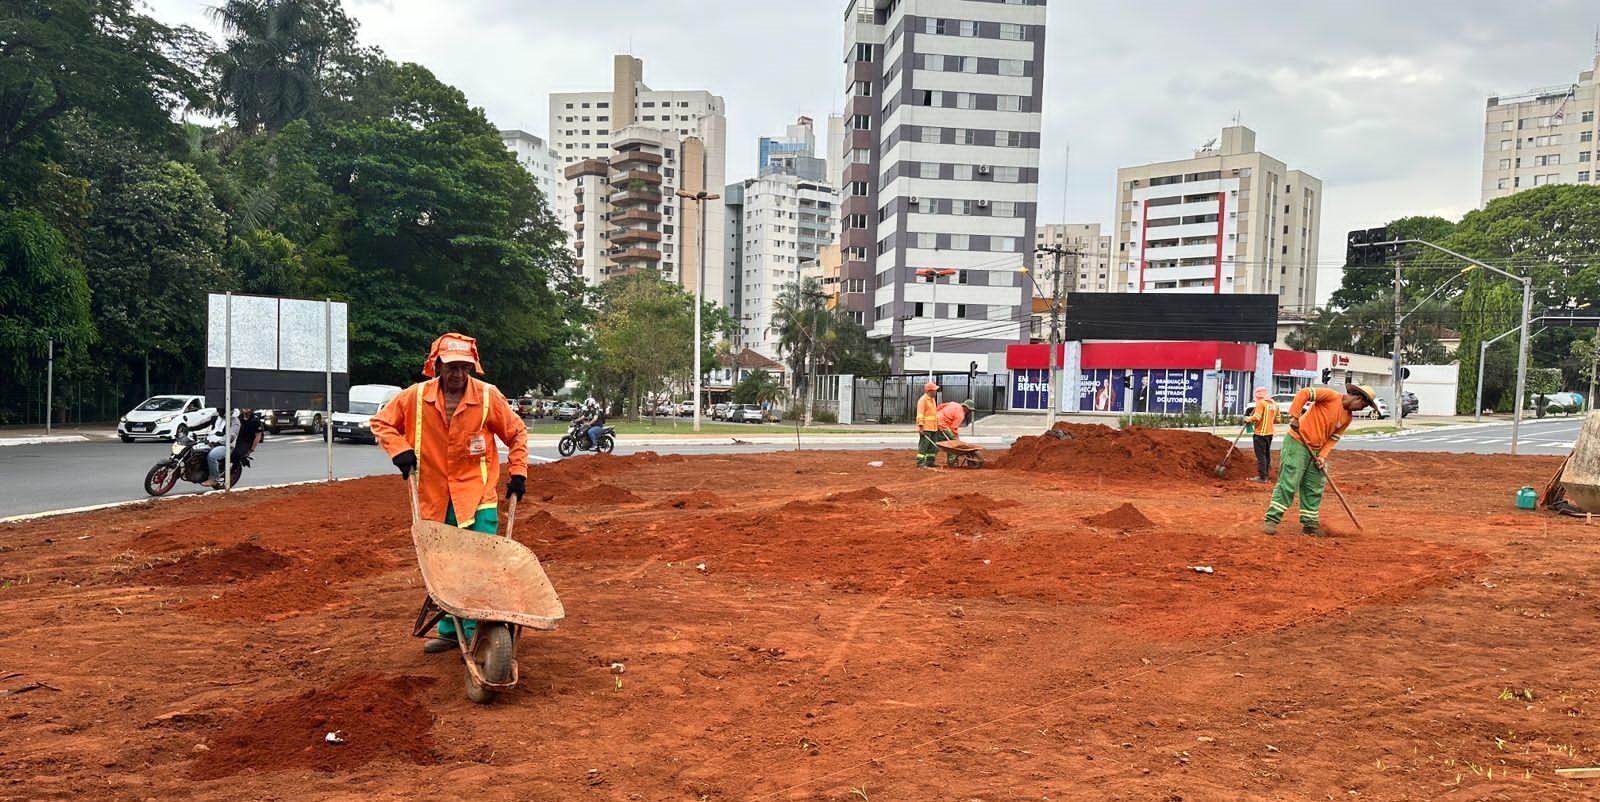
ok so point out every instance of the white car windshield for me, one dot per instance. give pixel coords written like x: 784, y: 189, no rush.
x: 363, y: 408
x: 161, y: 405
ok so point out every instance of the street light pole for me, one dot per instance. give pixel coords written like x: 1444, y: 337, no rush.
x: 700, y: 199
x: 933, y: 274
x: 1527, y: 314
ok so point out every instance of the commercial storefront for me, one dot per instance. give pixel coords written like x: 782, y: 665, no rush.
x: 1163, y: 378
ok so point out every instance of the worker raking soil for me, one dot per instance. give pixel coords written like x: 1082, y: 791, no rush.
x: 1318, y: 416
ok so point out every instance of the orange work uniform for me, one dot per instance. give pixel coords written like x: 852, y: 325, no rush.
x: 1323, y: 423
x: 951, y: 416
x: 458, y: 467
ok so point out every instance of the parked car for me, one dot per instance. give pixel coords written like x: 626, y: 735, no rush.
x: 524, y: 406
x: 1409, y: 403
x: 567, y: 411
x: 1556, y: 403
x: 720, y: 411
x: 686, y: 409
x: 308, y: 420
x: 365, y: 400
x: 747, y: 413
x: 165, y: 417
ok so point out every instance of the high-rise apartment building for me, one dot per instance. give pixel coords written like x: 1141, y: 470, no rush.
x: 1230, y: 220
x: 687, y: 131
x: 1086, y: 264
x: 785, y: 218
x: 941, y: 170
x: 537, y: 158
x: 1546, y: 136
x: 799, y: 140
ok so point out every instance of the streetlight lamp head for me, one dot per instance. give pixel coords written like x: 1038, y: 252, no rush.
x: 683, y: 193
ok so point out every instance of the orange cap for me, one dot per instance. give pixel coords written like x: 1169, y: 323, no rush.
x: 930, y: 387
x: 453, y: 347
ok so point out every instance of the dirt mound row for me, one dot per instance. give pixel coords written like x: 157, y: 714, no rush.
x: 973, y: 521
x: 542, y: 525
x: 1125, y: 517
x: 978, y: 500
x: 1172, y: 454
x: 598, y: 494
x: 377, y: 717
x: 868, y: 493
x: 697, y: 500
x: 236, y: 563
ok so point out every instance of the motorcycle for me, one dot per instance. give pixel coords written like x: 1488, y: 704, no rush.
x: 577, y: 439
x: 188, y: 462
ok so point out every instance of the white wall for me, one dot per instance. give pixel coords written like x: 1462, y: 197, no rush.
x: 1435, y: 386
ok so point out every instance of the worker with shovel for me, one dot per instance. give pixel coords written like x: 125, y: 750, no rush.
x: 1263, y: 418
x: 951, y: 418
x: 440, y: 429
x: 1318, y: 416
x: 928, y: 431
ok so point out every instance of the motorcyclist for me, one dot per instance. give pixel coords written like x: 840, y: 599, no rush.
x: 593, y: 421
x: 241, y: 432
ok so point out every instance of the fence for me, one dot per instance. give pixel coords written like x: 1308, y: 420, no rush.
x: 893, y: 399
x: 77, y: 400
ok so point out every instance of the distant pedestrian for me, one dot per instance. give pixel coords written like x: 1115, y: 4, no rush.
x: 1263, y: 418
x: 1317, y: 418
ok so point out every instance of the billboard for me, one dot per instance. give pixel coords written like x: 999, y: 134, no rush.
x: 276, y: 334
x: 1171, y: 316
x: 1030, y: 388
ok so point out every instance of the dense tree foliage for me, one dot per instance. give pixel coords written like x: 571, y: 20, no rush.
x: 641, y: 342
x: 814, y: 339
x: 336, y: 173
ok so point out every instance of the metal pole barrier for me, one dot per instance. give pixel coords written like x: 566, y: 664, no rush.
x: 227, y: 389
x: 49, y: 385
x: 327, y: 418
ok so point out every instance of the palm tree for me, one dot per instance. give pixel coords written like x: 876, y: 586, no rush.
x: 270, y: 73
x: 803, y: 322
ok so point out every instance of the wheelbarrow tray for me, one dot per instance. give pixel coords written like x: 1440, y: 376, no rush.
x: 959, y: 446
x: 478, y: 576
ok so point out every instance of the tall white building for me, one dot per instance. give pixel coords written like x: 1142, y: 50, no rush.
x: 687, y: 129
x: 1086, y: 264
x: 1545, y: 136
x: 941, y: 170
x: 537, y: 158
x: 782, y: 220
x: 1230, y: 220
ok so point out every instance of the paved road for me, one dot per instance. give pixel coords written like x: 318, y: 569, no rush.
x: 55, y: 476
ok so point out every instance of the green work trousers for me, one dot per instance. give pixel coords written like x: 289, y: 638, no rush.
x: 486, y: 521
x: 1297, y: 474
x: 927, y: 452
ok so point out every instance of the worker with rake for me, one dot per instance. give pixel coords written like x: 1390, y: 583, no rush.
x: 1317, y: 418
x: 951, y: 418
x: 1263, y: 419
x: 928, y: 429
x: 440, y: 430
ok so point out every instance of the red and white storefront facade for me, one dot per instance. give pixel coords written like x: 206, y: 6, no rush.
x: 1160, y: 377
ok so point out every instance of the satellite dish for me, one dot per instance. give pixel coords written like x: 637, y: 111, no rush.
x: 1209, y: 144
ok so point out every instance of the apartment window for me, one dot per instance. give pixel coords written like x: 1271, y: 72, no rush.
x: 1011, y: 30
x: 966, y: 136
x: 1003, y: 244
x: 963, y: 172
x: 1505, y: 144
x: 683, y: 104
x: 859, y: 89
x: 961, y: 310
x: 968, y: 28
x: 649, y: 104
x: 960, y: 242
x: 961, y: 207
x: 966, y: 100
x: 863, y: 52
x: 860, y: 156
x: 1547, y: 161
x: 1583, y: 175
x: 1003, y: 209
x: 1583, y: 155
x: 925, y: 240
x: 861, y: 122
x: 928, y: 170
x: 918, y: 308
x: 1588, y: 117
x: 967, y: 64
x: 932, y: 98
x: 1505, y: 164
x: 1008, y: 175
x: 855, y: 221
x: 603, y: 119
x: 1586, y: 136
x: 1011, y: 66
x: 858, y: 189
x: 569, y: 105
x: 930, y: 135
x: 933, y: 25
x: 1507, y: 125
x: 1009, y: 103
x: 1009, y: 139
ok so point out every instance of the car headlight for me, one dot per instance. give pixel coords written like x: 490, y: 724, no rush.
x: 167, y: 419
x: 123, y: 419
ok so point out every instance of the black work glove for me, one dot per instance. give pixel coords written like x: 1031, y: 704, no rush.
x: 516, y: 486
x: 406, y: 461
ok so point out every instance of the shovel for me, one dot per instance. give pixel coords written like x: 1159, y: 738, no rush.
x: 1222, y: 467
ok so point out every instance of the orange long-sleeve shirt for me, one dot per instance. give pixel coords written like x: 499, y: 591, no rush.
x: 927, y: 414
x: 1264, y: 417
x: 457, y: 461
x: 1323, y: 423
x: 951, y: 416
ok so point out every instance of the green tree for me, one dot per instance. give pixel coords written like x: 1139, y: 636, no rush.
x: 43, y: 290
x: 802, y: 321
x: 277, y: 55
x: 1361, y: 285
x: 759, y: 387
x: 642, y: 335
x: 1586, y: 352
x: 1368, y: 328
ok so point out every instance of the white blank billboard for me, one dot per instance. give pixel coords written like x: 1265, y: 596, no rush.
x: 276, y: 334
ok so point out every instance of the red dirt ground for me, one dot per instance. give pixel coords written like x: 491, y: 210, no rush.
x: 832, y: 647
x: 1125, y: 517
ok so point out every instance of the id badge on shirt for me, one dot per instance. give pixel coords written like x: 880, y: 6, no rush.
x: 477, y: 446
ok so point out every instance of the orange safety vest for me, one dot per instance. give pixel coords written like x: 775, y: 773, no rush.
x: 457, y: 464
x: 1265, y: 417
x: 927, y: 414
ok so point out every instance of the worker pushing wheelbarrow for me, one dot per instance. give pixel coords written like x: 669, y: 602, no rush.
x: 481, y: 589
x: 957, y: 453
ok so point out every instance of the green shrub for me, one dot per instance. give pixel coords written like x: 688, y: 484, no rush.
x: 825, y: 416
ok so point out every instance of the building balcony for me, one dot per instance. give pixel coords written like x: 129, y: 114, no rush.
x: 578, y: 210
x: 627, y: 157
x: 625, y: 235
x: 636, y: 216
x: 636, y: 197
x: 633, y: 255
x: 626, y: 177
x: 587, y: 167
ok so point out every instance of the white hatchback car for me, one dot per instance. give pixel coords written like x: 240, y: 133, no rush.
x: 165, y: 417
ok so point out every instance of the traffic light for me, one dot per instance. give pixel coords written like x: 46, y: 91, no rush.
x: 1360, y: 250
x: 972, y: 371
x: 1327, y: 375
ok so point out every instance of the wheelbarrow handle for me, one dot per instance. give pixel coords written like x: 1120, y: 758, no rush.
x: 411, y: 493
x: 511, y: 514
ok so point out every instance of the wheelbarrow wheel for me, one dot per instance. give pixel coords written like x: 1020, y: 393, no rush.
x: 494, y: 655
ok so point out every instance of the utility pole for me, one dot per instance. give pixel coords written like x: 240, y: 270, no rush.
x: 1056, y: 299
x: 49, y: 384
x: 1396, y: 404
x: 699, y: 199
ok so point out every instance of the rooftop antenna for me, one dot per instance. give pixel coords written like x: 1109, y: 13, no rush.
x: 1236, y: 118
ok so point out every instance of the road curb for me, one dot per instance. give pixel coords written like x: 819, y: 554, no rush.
x: 111, y: 505
x: 43, y: 440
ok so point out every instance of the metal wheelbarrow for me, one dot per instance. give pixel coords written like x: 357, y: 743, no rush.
x: 492, y: 580
x: 966, y: 455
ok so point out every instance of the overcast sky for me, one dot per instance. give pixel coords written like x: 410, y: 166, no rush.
x: 1382, y: 100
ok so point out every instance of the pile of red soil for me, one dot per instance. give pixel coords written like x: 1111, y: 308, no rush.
x: 542, y: 526
x: 597, y: 494
x: 974, y: 520
x: 1121, y: 453
x: 976, y: 500
x: 868, y: 493
x: 1124, y: 517
x: 235, y: 563
x: 379, y: 718
x: 697, y: 500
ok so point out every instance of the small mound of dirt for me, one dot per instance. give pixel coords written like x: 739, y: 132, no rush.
x: 378, y: 718
x: 868, y: 493
x: 810, y: 507
x: 275, y: 598
x: 697, y: 500
x: 974, y: 520
x: 235, y: 563
x: 543, y: 525
x: 1134, y: 452
x: 1124, y: 517
x: 978, y: 500
x: 598, y: 494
